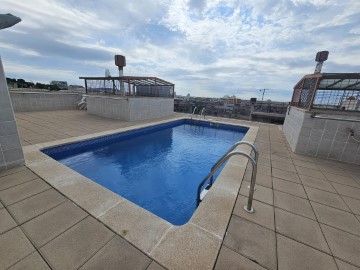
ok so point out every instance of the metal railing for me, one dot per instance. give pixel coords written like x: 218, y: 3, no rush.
x: 248, y: 208
x: 314, y: 115
x: 232, y: 148
x: 133, y: 86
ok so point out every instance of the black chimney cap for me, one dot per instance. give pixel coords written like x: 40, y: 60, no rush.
x: 322, y: 56
x: 120, y: 60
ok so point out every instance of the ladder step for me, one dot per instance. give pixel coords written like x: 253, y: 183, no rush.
x: 204, y: 192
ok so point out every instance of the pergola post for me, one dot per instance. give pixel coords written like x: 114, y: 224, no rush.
x: 129, y: 86
x: 86, y: 90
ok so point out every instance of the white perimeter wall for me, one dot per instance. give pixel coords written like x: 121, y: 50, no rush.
x: 130, y: 109
x: 44, y: 101
x: 322, y: 137
x: 11, y: 153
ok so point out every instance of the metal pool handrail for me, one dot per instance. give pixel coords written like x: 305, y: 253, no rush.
x: 248, y: 208
x: 232, y: 148
x: 193, y: 112
x: 202, y: 111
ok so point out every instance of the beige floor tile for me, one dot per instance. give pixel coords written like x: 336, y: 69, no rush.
x: 281, y: 159
x: 300, y: 229
x: 310, y: 172
x: 32, y: 262
x: 118, y: 254
x: 305, y: 164
x: 253, y: 241
x: 292, y: 256
x: 343, y: 245
x: 6, y: 221
x: 47, y: 226
x: 286, y: 167
x: 155, y: 266
x: 263, y: 215
x: 332, y: 169
x: 264, y: 170
x: 229, y: 259
x: 264, y: 161
x: 353, y: 204
x: 77, y: 244
x: 301, y: 157
x: 36, y: 205
x: 23, y: 191
x: 12, y: 170
x: 341, y: 179
x: 16, y: 178
x: 293, y: 204
x: 293, y: 177
x: 355, y: 175
x: 348, y: 191
x: 14, y: 246
x: 327, y: 198
x: 345, y: 266
x: 337, y: 218
x: 281, y: 153
x: 316, y: 183
x: 289, y: 187
x: 263, y: 180
x: 262, y: 194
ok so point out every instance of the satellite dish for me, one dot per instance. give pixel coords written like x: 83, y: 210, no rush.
x: 107, y: 73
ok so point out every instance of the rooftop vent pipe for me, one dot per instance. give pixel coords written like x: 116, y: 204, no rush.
x: 320, y: 58
x: 120, y: 62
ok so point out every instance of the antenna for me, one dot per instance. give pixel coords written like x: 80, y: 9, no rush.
x: 320, y: 58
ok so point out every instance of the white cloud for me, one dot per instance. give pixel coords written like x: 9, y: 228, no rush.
x: 35, y: 74
x: 211, y: 48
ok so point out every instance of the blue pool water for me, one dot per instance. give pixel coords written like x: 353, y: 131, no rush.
x: 157, y: 168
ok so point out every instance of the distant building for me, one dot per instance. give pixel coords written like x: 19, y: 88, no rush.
x: 75, y: 87
x: 233, y: 100
x: 63, y: 85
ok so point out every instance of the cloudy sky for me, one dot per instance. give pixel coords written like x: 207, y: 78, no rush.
x: 207, y: 48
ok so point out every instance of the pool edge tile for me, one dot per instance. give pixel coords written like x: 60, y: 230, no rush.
x: 187, y: 247
x: 89, y: 195
x: 140, y: 227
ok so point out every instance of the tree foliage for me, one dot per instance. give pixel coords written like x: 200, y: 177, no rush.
x: 21, y: 83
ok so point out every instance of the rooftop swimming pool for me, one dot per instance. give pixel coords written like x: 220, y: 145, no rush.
x: 158, y: 167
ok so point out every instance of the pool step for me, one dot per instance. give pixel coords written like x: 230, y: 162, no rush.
x: 204, y: 192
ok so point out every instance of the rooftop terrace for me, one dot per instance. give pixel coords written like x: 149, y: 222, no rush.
x: 307, y: 211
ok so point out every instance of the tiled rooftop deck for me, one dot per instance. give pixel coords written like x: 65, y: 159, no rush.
x: 307, y: 211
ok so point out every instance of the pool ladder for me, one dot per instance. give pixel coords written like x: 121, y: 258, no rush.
x: 193, y: 113
x: 248, y: 208
x: 201, y: 114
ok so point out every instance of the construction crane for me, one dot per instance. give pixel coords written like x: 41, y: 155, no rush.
x: 263, y: 93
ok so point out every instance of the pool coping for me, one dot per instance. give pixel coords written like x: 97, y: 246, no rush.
x: 194, y: 245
